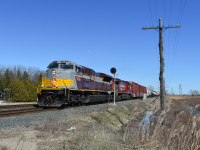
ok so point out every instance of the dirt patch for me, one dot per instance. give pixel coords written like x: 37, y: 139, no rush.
x: 18, y: 140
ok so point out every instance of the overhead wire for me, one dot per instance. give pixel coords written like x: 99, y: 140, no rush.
x: 179, y: 28
x: 156, y: 11
x: 176, y: 41
x: 182, y: 12
x: 164, y: 34
x: 178, y: 33
x: 153, y: 30
x: 164, y: 17
x: 168, y: 45
x: 174, y: 51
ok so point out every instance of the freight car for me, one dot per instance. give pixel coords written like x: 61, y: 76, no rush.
x: 65, y: 82
x: 151, y: 93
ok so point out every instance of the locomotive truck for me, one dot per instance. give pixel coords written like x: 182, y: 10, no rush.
x: 67, y: 83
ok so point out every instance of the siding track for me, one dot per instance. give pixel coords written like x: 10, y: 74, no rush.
x: 11, y: 113
x: 17, y: 106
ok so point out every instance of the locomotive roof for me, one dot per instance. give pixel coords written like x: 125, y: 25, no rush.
x: 64, y: 61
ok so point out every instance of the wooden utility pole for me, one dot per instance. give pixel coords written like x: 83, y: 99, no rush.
x: 162, y: 65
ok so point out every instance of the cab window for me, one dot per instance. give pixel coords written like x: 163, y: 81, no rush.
x: 62, y: 66
x: 55, y: 65
x: 78, y: 69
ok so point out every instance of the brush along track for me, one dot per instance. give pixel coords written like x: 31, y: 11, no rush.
x: 11, y: 113
x: 18, y: 106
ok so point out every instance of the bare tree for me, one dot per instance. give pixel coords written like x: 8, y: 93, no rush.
x: 16, y: 71
x: 196, y: 92
x: 150, y: 87
x: 2, y: 69
x: 191, y: 92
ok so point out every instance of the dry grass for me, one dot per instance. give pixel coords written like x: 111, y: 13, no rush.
x: 3, y: 148
x: 98, y: 130
x: 86, y: 135
x: 182, y: 97
x: 176, y: 129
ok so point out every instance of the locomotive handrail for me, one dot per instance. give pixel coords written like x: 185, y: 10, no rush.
x: 59, y: 82
x: 39, y: 88
x: 65, y: 87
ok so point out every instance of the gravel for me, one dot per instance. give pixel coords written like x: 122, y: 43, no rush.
x: 25, y: 120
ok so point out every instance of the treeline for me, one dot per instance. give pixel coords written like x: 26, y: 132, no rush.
x: 194, y: 92
x: 21, y: 83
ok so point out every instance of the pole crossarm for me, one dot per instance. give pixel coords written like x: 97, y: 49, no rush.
x: 161, y: 27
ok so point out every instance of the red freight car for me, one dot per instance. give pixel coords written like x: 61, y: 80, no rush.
x: 134, y: 89
x: 145, y: 90
x: 137, y: 89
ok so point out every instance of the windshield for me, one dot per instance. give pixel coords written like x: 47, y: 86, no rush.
x: 53, y: 66
x: 66, y: 66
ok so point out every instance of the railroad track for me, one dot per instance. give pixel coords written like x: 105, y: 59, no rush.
x: 17, y: 106
x: 18, y: 110
x: 11, y: 113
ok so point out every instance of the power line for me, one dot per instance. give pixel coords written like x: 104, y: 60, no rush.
x: 179, y: 11
x: 153, y: 31
x: 183, y: 11
x: 156, y: 10
x: 164, y: 12
x: 168, y: 44
x: 164, y: 45
x: 176, y: 40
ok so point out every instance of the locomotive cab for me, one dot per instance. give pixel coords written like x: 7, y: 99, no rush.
x: 56, y: 82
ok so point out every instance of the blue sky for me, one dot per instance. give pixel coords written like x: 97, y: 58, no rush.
x: 101, y: 34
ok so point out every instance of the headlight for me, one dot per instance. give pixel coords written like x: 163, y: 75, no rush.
x: 42, y: 86
x: 54, y: 72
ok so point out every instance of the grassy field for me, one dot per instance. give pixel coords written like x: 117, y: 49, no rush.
x: 181, y: 97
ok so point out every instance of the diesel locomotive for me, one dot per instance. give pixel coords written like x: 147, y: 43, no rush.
x: 66, y: 83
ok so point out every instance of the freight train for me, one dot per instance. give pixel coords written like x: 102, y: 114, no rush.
x: 67, y: 83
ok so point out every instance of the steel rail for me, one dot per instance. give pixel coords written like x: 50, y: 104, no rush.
x: 12, y: 113
x: 18, y: 106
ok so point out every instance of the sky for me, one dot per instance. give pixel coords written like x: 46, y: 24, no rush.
x: 101, y: 34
